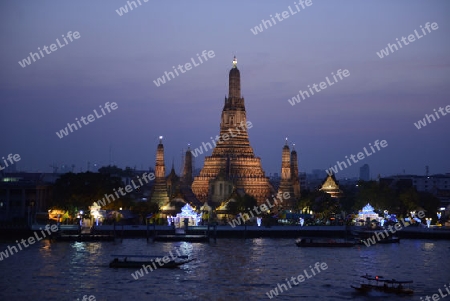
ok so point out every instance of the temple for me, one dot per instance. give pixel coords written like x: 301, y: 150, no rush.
x: 232, y: 165
x: 231, y: 169
x: 159, y: 193
x: 290, y: 181
x: 331, y: 186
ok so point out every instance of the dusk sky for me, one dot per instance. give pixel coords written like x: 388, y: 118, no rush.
x: 118, y: 58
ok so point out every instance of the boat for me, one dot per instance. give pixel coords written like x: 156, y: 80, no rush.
x: 381, y: 284
x: 125, y: 263
x: 315, y: 242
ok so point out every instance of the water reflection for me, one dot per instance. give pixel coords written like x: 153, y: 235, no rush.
x: 428, y: 246
x: 231, y: 269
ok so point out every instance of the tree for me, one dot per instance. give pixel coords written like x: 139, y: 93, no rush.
x: 429, y: 203
x: 142, y: 209
x: 348, y: 200
x: 305, y: 201
x: 325, y: 204
x: 409, y: 200
x: 79, y: 191
x: 241, y: 204
x: 379, y: 195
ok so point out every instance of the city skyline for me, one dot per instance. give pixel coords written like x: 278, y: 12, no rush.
x: 119, y: 60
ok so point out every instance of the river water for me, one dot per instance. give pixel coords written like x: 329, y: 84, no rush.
x: 231, y: 269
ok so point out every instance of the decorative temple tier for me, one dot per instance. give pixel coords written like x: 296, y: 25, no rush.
x: 232, y: 165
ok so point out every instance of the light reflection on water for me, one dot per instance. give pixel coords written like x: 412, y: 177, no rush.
x: 428, y: 246
x: 230, y: 269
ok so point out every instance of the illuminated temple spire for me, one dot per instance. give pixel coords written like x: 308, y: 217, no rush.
x: 234, y: 120
x: 234, y: 89
x: 294, y: 172
x: 160, y: 168
x: 233, y: 164
x: 286, y: 163
x: 286, y: 176
x: 159, y: 191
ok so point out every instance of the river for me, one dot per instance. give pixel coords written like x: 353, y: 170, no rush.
x: 231, y: 269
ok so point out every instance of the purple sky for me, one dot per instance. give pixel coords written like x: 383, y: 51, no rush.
x: 117, y: 58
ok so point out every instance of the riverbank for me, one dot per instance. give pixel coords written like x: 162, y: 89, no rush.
x: 225, y: 231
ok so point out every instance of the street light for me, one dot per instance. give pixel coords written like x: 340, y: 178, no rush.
x: 428, y: 219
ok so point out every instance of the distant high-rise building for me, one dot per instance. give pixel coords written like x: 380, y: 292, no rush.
x: 364, y: 173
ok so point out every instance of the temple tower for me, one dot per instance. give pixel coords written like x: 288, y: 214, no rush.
x: 159, y: 191
x: 187, y: 170
x: 160, y: 166
x: 172, y: 182
x: 232, y: 159
x: 286, y: 179
x: 294, y: 172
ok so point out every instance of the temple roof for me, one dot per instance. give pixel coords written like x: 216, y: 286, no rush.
x: 331, y: 186
x: 172, y: 175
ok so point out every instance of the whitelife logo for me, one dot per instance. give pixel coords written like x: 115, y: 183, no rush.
x: 300, y: 278
x: 27, y: 61
x: 30, y: 240
x: 423, y: 122
x: 411, y: 38
x: 220, y: 139
x: 90, y: 118
x: 323, y: 85
x: 162, y: 80
x: 263, y: 208
x: 436, y: 296
x: 284, y: 15
x: 110, y: 197
x: 379, y: 235
x: 334, y: 169
x: 161, y: 261
x: 11, y: 158
x: 124, y: 9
